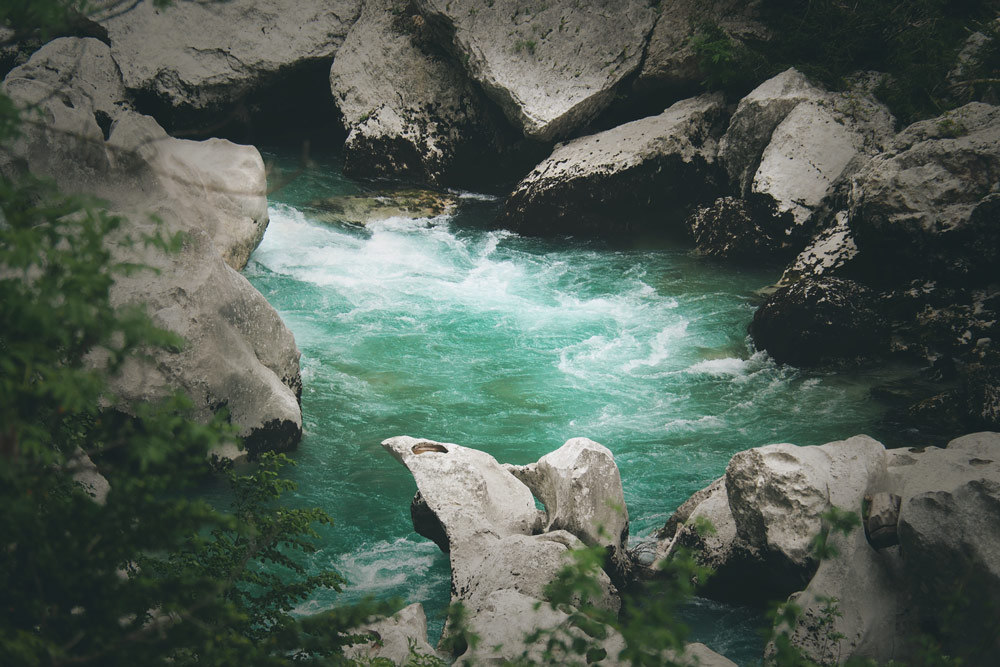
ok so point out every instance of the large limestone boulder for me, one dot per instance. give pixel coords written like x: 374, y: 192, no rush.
x: 755, y: 119
x: 581, y: 488
x: 629, y: 177
x: 551, y: 67
x: 949, y: 533
x: 207, y: 56
x: 820, y: 320
x: 942, y: 579
x: 928, y: 206
x: 475, y: 499
x: 792, y: 146
x: 778, y: 493
x: 855, y: 606
x: 411, y: 112
x: 238, y: 353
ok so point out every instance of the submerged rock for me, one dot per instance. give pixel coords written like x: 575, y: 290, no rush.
x: 411, y: 111
x: 633, y: 176
x: 209, y: 56
x: 359, y: 210
x: 820, y: 320
x: 551, y: 67
x: 238, y: 353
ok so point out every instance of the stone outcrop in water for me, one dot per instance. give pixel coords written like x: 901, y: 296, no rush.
x: 769, y: 505
x: 209, y: 57
x: 238, y: 354
x: 581, y: 489
x: 631, y: 177
x: 504, y: 552
x: 410, y: 109
x: 820, y: 320
x: 501, y: 558
x: 551, y: 67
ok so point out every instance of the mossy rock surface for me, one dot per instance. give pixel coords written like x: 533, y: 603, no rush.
x: 360, y: 210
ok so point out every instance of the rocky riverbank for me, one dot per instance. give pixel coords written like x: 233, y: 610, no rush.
x: 889, y: 238
x: 915, y: 568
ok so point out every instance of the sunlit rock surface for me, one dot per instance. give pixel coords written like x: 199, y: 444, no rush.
x: 238, y: 353
x: 551, y: 67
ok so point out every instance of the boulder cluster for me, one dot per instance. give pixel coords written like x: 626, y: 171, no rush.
x: 505, y: 552
x: 915, y: 560
x: 890, y: 237
x: 923, y: 565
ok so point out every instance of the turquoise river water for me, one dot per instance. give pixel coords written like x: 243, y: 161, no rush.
x: 444, y: 329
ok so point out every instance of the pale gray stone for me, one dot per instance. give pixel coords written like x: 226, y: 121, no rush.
x: 927, y: 206
x: 396, y: 637
x: 778, y: 492
x: 408, y: 112
x: 238, y: 352
x: 207, y: 55
x: 632, y: 174
x: 552, y: 66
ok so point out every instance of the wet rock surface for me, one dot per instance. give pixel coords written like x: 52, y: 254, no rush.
x: 820, y: 320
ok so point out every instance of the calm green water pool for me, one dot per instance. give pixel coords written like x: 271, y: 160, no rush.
x: 444, y: 329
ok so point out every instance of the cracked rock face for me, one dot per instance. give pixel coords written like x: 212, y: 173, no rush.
x: 205, y: 56
x: 623, y: 178
x: 795, y: 146
x: 411, y: 112
x: 239, y: 353
x: 928, y: 206
x: 502, y: 557
x: 552, y: 66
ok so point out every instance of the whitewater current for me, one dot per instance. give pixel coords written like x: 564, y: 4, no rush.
x: 443, y: 328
